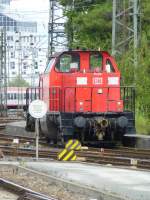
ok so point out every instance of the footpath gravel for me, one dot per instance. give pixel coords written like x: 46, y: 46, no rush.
x: 6, y: 195
x: 38, y: 184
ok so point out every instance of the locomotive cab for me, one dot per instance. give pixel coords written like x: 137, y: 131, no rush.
x: 84, y: 98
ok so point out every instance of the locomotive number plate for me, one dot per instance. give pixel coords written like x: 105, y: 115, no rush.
x: 81, y: 80
x: 97, y: 80
x: 113, y: 80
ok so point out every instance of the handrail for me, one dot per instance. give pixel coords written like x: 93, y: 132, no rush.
x: 57, y: 103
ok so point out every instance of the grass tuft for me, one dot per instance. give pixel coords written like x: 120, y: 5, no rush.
x: 142, y: 125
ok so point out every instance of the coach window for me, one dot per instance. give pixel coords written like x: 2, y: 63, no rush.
x: 96, y: 62
x: 8, y: 95
x: 68, y: 63
x: 11, y: 96
x: 109, y: 66
x: 15, y: 96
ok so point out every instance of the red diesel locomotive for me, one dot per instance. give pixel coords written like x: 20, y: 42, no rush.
x: 84, y: 98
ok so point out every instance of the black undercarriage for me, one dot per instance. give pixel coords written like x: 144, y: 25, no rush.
x: 89, y: 128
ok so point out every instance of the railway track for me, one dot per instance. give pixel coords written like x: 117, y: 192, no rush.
x: 122, y: 152
x: 22, y: 192
x: 119, y: 161
x: 113, y: 157
x: 10, y: 119
x: 8, y: 139
x: 120, y: 156
x: 2, y: 126
x: 5, y: 120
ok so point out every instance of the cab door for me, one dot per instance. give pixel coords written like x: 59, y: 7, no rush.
x: 83, y: 96
x: 113, y: 84
x: 99, y: 93
x: 68, y: 66
x: 98, y: 83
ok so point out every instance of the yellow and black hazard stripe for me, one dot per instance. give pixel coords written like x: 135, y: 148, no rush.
x: 67, y: 155
x: 73, y: 145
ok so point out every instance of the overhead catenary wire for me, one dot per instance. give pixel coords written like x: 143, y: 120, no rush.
x: 32, y: 12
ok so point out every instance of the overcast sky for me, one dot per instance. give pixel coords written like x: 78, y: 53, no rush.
x: 30, y: 4
x: 32, y: 9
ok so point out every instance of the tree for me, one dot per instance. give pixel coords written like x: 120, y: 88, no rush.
x: 89, y: 23
x: 143, y: 78
x: 18, y: 82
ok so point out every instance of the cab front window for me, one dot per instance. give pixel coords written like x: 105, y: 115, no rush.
x: 68, y: 63
x: 96, y: 62
x: 109, y: 66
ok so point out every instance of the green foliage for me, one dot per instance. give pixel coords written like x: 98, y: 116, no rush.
x: 139, y: 77
x: 127, y: 69
x: 89, y: 23
x: 142, y: 124
x: 146, y: 18
x: 143, y: 79
x: 18, y: 82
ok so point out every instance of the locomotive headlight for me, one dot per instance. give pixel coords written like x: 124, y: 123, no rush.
x: 119, y: 106
x: 99, y: 91
x: 81, y: 103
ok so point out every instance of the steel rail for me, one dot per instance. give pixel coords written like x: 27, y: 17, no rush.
x: 99, y: 158
x: 23, y: 192
x: 106, y: 152
x: 121, y: 153
x: 22, y: 139
x: 2, y: 126
x: 120, y: 148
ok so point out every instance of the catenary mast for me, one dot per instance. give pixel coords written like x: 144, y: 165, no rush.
x: 3, y: 74
x: 126, y: 27
x: 57, y: 39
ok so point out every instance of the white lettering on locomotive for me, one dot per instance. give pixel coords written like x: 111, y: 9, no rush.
x: 81, y: 80
x: 97, y: 80
x: 113, y: 80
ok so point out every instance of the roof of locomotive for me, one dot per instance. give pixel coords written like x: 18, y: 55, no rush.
x: 74, y: 51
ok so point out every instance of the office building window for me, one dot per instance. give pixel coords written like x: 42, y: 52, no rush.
x: 13, y: 73
x: 25, y: 66
x: 10, y: 38
x: 24, y: 73
x: 12, y: 55
x: 12, y: 65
